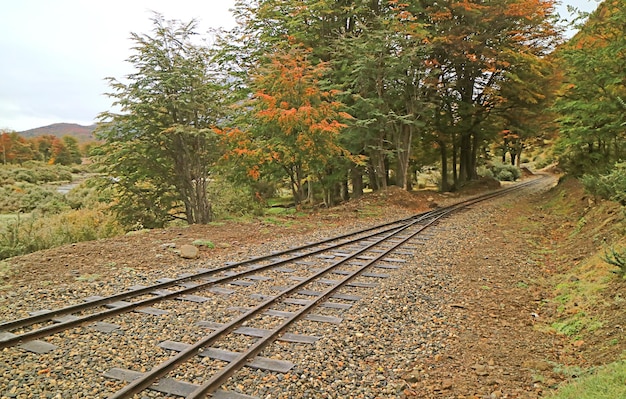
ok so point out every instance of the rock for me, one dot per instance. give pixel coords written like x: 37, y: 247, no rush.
x: 540, y: 365
x: 412, y: 378
x: 446, y: 384
x: 189, y: 251
x: 480, y: 370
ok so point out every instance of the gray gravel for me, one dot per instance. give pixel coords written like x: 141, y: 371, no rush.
x: 371, y: 354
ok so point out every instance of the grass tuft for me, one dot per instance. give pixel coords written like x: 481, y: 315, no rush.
x: 605, y: 383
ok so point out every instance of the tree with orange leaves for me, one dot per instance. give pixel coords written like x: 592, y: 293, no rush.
x: 295, y: 124
x: 14, y: 148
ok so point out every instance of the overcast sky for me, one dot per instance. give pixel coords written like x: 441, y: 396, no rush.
x: 54, y: 55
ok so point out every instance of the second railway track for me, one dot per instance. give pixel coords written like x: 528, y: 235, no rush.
x: 206, y: 326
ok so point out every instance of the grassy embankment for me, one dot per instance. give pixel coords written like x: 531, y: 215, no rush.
x: 588, y: 293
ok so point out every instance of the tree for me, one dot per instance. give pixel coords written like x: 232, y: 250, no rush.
x: 14, y: 148
x: 60, y: 154
x: 161, y: 145
x: 478, y: 48
x: 295, y: 125
x: 71, y: 143
x: 5, y: 146
x: 592, y: 102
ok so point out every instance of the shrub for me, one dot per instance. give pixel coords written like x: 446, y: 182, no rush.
x: 27, y: 176
x: 505, y: 172
x: 230, y: 199
x: 505, y: 175
x: 29, y: 234
x: 34, y: 173
x: 610, y: 186
x: 26, y: 197
x: 90, y: 193
x: 616, y: 258
x: 484, y: 171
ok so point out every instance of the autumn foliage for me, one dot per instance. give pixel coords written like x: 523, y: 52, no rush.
x: 295, y: 124
x: 15, y: 149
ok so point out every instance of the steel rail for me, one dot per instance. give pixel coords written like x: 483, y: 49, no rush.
x: 58, y: 327
x: 165, y: 367
x: 47, y: 316
x: 147, y: 379
x: 78, y: 321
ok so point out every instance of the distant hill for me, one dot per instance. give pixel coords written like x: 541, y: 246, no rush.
x: 81, y: 133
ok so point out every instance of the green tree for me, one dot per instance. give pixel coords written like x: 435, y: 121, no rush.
x: 592, y: 102
x: 71, y: 143
x: 478, y: 48
x: 375, y: 49
x: 161, y: 146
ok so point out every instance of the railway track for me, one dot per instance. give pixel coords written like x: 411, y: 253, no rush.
x: 253, y: 303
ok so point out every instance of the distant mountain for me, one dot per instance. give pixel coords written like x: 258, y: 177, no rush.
x: 81, y: 133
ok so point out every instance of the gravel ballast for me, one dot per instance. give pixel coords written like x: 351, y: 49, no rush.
x: 435, y: 327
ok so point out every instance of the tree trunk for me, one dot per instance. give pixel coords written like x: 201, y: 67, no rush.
x: 373, y: 178
x: 344, y: 192
x: 356, y: 176
x: 191, y: 178
x: 381, y: 169
x: 473, y: 174
x: 444, y: 167
x: 403, y: 149
x: 455, y: 162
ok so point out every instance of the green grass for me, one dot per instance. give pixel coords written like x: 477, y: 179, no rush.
x: 10, y: 217
x: 203, y: 243
x: 606, y: 383
x: 88, y: 277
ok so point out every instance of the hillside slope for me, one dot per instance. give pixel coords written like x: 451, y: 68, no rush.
x: 80, y: 132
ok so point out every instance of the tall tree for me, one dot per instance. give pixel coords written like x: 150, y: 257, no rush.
x: 14, y: 148
x: 478, y: 47
x: 592, y: 102
x: 161, y: 145
x: 294, y: 122
x: 381, y: 68
x: 71, y: 143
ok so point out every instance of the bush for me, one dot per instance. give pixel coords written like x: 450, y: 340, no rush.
x: 34, y: 173
x: 611, y: 186
x: 500, y: 171
x: 484, y: 171
x: 26, y: 197
x: 90, y: 193
x: 618, y: 259
x: 505, y: 172
x: 29, y: 234
x: 230, y: 199
x: 24, y: 176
